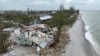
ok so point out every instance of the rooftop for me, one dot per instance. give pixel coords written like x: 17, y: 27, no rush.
x: 45, y: 17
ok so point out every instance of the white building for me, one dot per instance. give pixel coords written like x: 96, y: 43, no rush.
x: 45, y: 17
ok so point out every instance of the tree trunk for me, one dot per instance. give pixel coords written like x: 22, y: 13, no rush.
x: 3, y: 46
x: 58, y: 34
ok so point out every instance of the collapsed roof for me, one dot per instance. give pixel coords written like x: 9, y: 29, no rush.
x: 36, y: 35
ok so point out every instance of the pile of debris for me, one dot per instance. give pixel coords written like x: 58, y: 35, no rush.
x: 39, y: 36
x: 57, y: 48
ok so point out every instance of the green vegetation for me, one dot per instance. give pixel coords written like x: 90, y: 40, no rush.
x: 8, y: 24
x: 4, y: 42
x: 1, y: 24
x: 63, y: 17
x: 5, y: 24
x: 18, y: 17
x: 24, y: 19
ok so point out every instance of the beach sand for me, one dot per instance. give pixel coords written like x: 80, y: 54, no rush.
x: 79, y: 45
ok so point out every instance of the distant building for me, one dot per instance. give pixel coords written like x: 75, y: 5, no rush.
x: 45, y: 17
x: 41, y: 19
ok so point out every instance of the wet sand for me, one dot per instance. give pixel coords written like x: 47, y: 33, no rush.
x: 79, y: 45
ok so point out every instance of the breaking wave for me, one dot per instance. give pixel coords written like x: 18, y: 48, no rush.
x: 89, y: 37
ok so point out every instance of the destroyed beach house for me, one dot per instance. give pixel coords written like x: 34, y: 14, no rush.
x: 39, y: 35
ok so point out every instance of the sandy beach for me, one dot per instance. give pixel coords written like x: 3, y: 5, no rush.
x: 79, y: 45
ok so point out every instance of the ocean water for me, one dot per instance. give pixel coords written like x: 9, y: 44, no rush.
x: 92, y: 21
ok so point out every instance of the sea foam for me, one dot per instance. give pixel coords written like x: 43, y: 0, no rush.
x: 88, y: 36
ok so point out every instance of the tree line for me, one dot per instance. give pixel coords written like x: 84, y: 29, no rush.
x: 63, y: 17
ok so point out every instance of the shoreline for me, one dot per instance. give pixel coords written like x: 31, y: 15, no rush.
x: 79, y: 45
x: 90, y: 42
x: 89, y: 38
